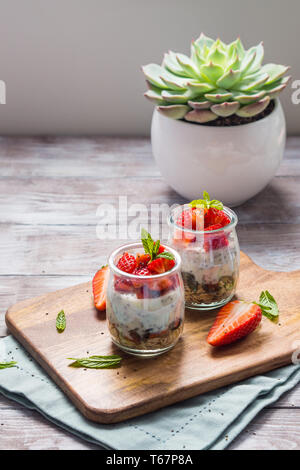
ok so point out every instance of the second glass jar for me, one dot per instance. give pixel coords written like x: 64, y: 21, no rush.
x: 210, y: 261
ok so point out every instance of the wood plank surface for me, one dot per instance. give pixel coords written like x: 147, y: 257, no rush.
x: 24, y: 160
x: 191, y: 368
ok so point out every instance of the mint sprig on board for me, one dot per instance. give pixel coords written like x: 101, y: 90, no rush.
x: 206, y: 202
x: 268, y: 305
x: 61, y: 321
x: 7, y: 365
x: 96, y: 362
x: 152, y: 248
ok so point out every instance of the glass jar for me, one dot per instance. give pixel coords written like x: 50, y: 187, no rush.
x: 210, y: 261
x: 145, y: 314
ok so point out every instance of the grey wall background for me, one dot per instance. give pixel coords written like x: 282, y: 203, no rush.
x: 73, y: 66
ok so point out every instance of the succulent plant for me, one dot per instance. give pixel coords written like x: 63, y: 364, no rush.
x: 217, y: 80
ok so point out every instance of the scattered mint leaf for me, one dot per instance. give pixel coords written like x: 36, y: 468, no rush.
x: 268, y: 305
x: 206, y: 203
x: 61, y: 321
x: 96, y: 362
x: 7, y: 365
x: 165, y: 254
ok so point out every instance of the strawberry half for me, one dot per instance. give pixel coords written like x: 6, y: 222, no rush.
x: 99, y: 284
x: 127, y: 263
x: 215, y: 241
x: 214, y: 216
x: 140, y: 272
x: 123, y: 285
x: 234, y: 321
x: 168, y: 264
x: 142, y: 259
x: 191, y: 219
x: 185, y: 219
x: 157, y: 266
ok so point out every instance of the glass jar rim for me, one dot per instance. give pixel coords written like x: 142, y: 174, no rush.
x: 129, y: 246
x: 231, y: 214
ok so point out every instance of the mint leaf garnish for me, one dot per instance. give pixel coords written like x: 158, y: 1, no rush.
x: 206, y: 203
x: 151, y: 247
x: 166, y: 255
x: 156, y: 248
x: 61, y: 321
x: 268, y: 305
x: 148, y: 242
x: 96, y: 362
x: 7, y: 365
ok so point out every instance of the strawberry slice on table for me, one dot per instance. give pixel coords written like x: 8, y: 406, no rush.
x: 234, y: 321
x: 99, y: 284
x: 127, y: 263
x: 238, y: 319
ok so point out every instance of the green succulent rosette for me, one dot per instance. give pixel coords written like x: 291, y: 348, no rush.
x: 217, y: 80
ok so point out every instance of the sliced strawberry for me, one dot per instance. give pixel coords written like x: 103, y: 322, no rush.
x: 234, y: 321
x: 142, y: 259
x: 215, y: 241
x: 127, y: 263
x: 99, y: 284
x: 161, y: 249
x: 198, y: 219
x: 165, y: 285
x: 191, y: 219
x: 157, y: 266
x: 140, y: 272
x: 185, y: 219
x: 213, y: 227
x: 168, y: 264
x: 123, y: 285
x: 184, y: 238
x: 214, y: 216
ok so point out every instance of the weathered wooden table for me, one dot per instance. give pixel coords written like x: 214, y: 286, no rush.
x: 50, y: 189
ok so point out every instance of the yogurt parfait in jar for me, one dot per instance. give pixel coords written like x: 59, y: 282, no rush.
x: 145, y: 297
x: 203, y: 232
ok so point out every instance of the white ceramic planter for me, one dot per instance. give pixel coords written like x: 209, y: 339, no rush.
x: 232, y: 163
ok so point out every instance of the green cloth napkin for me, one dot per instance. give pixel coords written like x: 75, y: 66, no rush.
x: 209, y: 421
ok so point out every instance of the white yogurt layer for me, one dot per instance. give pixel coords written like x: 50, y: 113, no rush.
x: 128, y: 312
x: 209, y: 267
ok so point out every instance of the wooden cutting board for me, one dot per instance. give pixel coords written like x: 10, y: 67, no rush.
x: 143, y: 385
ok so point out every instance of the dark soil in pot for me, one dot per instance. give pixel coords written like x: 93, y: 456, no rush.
x: 235, y: 120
